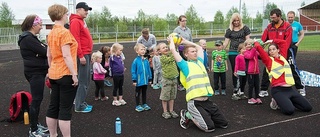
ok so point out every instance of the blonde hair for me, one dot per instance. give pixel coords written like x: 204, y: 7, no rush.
x: 145, y: 31
x: 251, y: 41
x: 96, y: 55
x: 138, y: 46
x: 241, y: 46
x: 115, y: 47
x: 202, y: 41
x: 186, y: 48
x: 157, y: 48
x: 233, y: 17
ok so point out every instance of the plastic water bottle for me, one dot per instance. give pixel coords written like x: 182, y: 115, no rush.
x: 118, y: 126
x: 26, y: 118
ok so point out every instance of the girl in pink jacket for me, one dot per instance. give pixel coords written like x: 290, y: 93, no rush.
x: 251, y: 55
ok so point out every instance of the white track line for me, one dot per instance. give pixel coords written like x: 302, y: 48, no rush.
x: 274, y: 123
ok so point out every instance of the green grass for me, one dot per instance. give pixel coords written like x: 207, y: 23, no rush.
x: 309, y: 43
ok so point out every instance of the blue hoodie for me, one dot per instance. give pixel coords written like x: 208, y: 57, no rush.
x: 140, y: 71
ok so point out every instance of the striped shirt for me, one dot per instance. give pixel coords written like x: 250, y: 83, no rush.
x: 58, y: 37
x: 219, y: 60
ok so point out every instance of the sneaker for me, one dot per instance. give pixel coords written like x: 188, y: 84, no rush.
x: 184, y: 121
x: 273, y: 104
x: 146, y: 107
x: 174, y: 114
x: 259, y: 101
x: 166, y: 115
x: 302, y: 91
x: 122, y: 102
x: 223, y: 92
x: 89, y: 106
x: 86, y: 110
x: 155, y: 86
x: 151, y: 85
x: 180, y: 88
x: 116, y: 103
x: 107, y: 83
x: 105, y: 98
x: 235, y: 97
x: 38, y: 133
x: 42, y: 128
x: 139, y: 108
x: 252, y: 101
x: 96, y: 98
x: 243, y: 96
x: 217, y: 92
x: 263, y: 93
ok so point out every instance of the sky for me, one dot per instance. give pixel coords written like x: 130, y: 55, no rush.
x: 129, y: 8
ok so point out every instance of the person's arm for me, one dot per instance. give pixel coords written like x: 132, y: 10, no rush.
x: 75, y: 29
x: 247, y: 32
x: 226, y: 62
x: 172, y: 47
x: 69, y: 62
x: 226, y: 43
x: 264, y: 56
x: 264, y: 36
x: 199, y: 48
x: 49, y: 56
x: 37, y: 47
x: 134, y: 72
x: 301, y: 36
x: 288, y: 37
x: 249, y: 54
x: 212, y: 65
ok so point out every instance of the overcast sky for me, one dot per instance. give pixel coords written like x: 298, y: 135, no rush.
x: 129, y: 8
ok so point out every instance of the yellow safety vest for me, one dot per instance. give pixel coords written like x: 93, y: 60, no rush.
x: 197, y: 83
x: 277, y: 70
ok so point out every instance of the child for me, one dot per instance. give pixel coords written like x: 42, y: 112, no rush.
x: 169, y: 81
x: 117, y: 72
x: 141, y: 76
x: 219, y: 67
x: 203, y: 44
x: 194, y: 77
x: 252, y: 71
x: 240, y: 72
x: 105, y: 50
x: 98, y: 75
x: 157, y: 71
x: 281, y: 79
x: 150, y: 58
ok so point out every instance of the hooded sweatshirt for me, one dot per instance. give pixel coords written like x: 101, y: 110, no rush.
x: 81, y: 33
x: 34, y: 54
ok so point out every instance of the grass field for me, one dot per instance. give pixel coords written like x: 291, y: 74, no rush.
x: 309, y: 43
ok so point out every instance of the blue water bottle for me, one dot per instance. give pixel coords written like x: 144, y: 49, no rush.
x: 118, y: 126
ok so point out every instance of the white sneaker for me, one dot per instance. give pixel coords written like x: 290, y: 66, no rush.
x: 273, y: 104
x: 116, y: 103
x: 122, y: 102
x: 302, y: 92
x: 263, y: 93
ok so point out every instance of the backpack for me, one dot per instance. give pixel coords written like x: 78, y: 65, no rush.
x: 19, y: 103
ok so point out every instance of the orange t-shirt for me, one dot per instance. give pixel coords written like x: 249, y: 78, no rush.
x: 58, y: 37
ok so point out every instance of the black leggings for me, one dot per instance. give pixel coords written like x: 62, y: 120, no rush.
x: 288, y: 99
x: 99, y: 88
x: 36, y: 87
x: 253, y: 81
x: 243, y: 82
x: 118, y: 84
x: 232, y: 59
x: 222, y: 77
x: 143, y: 90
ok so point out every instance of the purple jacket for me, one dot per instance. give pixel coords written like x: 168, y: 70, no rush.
x: 253, y: 64
x: 117, y: 66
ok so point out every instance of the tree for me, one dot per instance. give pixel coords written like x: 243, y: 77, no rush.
x: 269, y: 7
x: 171, y: 19
x: 303, y: 3
x: 229, y: 14
x: 193, y: 17
x: 6, y: 15
x: 92, y: 20
x: 105, y: 18
x: 245, y: 15
x: 218, y: 20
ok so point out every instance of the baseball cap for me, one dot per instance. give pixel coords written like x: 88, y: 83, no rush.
x: 218, y: 42
x: 83, y: 5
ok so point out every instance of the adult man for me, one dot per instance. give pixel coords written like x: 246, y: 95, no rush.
x: 277, y: 30
x: 297, y: 32
x: 81, y: 33
x: 201, y: 110
x: 148, y: 40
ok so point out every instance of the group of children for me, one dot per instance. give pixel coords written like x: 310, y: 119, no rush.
x: 246, y: 69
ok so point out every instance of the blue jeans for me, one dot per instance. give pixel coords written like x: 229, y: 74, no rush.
x: 84, y: 81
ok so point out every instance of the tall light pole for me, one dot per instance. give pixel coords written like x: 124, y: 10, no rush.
x: 184, y: 8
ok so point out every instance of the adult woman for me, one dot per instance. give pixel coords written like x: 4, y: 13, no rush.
x: 62, y: 55
x: 281, y: 79
x: 34, y: 54
x: 184, y: 32
x: 236, y: 33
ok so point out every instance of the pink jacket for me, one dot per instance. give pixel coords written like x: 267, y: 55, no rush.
x: 253, y: 64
